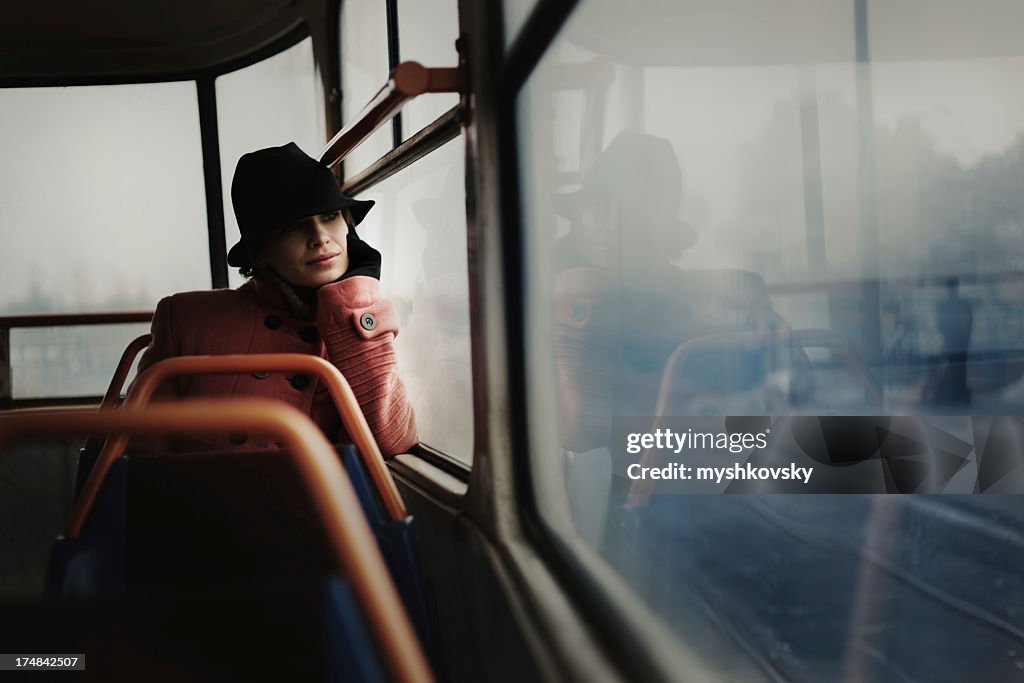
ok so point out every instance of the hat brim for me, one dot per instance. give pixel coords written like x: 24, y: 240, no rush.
x: 238, y: 255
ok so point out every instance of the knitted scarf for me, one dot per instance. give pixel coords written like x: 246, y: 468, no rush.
x: 301, y: 301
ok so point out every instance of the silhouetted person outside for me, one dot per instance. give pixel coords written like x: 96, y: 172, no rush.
x: 955, y: 318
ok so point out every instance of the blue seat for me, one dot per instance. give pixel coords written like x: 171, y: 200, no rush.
x: 397, y: 542
x: 213, y: 520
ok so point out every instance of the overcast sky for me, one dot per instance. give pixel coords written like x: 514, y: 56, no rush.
x: 101, y: 188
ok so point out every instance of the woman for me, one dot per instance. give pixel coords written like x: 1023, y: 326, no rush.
x: 314, y: 288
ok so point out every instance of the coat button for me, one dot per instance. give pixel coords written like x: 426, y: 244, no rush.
x: 272, y: 321
x: 368, y: 321
x: 261, y: 375
x: 309, y: 334
x: 300, y: 382
x: 238, y: 438
x: 579, y: 312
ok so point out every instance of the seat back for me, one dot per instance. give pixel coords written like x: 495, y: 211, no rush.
x: 168, y: 522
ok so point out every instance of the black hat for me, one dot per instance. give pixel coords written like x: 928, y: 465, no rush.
x: 276, y: 186
x: 644, y: 172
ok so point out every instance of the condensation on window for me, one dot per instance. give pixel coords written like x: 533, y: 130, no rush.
x: 760, y: 209
x: 53, y: 362
x: 364, y: 71
x: 102, y: 203
x: 427, y: 34
x: 102, y: 208
x: 419, y: 225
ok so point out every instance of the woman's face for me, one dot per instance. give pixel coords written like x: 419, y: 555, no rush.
x: 310, y: 252
x: 600, y: 222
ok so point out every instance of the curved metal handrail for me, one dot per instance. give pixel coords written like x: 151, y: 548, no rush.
x: 341, y: 393
x: 406, y: 81
x: 124, y: 366
x: 352, y: 542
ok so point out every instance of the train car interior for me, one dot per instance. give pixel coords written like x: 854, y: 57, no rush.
x: 797, y: 219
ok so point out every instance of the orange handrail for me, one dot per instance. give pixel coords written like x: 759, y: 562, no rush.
x: 124, y: 366
x: 406, y: 81
x: 348, y: 533
x: 640, y: 490
x: 351, y: 417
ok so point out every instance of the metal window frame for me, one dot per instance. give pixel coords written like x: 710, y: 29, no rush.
x: 403, y: 154
x: 394, y: 59
x: 568, y: 596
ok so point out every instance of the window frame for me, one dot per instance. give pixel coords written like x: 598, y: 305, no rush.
x: 618, y: 626
x: 637, y: 644
x: 207, y: 105
x: 403, y: 154
x: 204, y: 82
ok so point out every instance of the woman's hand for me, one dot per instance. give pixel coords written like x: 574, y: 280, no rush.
x: 362, y: 259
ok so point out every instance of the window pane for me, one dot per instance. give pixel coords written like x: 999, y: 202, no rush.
x: 364, y: 71
x: 50, y: 362
x: 726, y: 215
x: 427, y: 33
x: 267, y: 104
x: 102, y: 205
x: 419, y: 224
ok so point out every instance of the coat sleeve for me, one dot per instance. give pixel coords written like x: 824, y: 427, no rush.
x: 358, y: 327
x: 586, y: 339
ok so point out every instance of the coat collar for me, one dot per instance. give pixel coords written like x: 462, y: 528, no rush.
x: 270, y: 293
x: 264, y: 293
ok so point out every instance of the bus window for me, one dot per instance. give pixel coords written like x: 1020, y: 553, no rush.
x: 419, y: 224
x: 776, y: 173
x: 70, y: 361
x: 431, y: 48
x: 80, y: 235
x: 112, y: 228
x: 364, y: 69
x: 267, y: 104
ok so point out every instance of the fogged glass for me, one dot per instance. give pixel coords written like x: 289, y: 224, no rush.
x: 427, y: 33
x: 267, y: 104
x: 51, y: 362
x: 419, y: 225
x: 102, y: 204
x: 364, y: 71
x: 724, y: 186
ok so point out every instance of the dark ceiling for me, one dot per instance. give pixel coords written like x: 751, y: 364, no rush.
x: 120, y: 39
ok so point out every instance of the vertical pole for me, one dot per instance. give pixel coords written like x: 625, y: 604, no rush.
x: 6, y: 383
x: 871, y: 335
x: 327, y: 53
x: 394, y: 58
x: 814, y: 205
x: 211, y: 177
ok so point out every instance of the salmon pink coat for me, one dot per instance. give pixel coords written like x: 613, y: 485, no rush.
x: 354, y: 328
